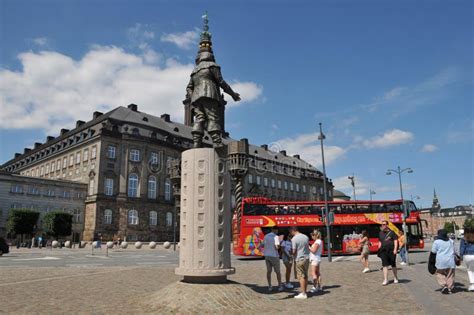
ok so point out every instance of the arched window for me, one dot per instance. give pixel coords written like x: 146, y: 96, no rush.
x: 133, y: 217
x: 153, y: 218
x: 152, y: 187
x: 167, y: 189
x: 133, y: 185
x: 108, y: 216
x: 169, y: 219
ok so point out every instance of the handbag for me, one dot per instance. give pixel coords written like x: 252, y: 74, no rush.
x: 431, y: 263
x: 457, y: 259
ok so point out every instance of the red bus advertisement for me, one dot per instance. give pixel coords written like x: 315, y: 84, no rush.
x: 350, y: 219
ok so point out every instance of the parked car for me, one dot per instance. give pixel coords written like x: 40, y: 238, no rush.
x: 4, y: 249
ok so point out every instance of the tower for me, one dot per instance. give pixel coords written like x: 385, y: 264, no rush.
x: 435, y: 207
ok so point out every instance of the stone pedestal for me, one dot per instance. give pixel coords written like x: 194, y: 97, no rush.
x: 204, y: 255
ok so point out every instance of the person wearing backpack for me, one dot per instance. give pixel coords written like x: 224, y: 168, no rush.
x: 443, y: 247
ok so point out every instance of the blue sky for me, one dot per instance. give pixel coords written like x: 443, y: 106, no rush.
x: 391, y: 81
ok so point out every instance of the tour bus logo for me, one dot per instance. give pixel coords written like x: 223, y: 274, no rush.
x: 254, y: 221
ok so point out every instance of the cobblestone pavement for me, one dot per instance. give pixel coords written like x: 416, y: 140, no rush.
x: 125, y: 289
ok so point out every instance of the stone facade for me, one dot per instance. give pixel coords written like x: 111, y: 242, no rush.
x: 123, y: 155
x: 436, y: 220
x: 42, y: 195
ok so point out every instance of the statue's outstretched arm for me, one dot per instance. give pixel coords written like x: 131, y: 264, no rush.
x: 221, y: 82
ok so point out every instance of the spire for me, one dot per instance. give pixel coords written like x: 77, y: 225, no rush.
x: 435, y: 207
x: 205, y: 43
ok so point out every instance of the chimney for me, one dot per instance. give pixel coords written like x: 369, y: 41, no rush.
x: 96, y: 115
x: 245, y: 140
x: 166, y: 117
x: 265, y: 146
x: 133, y: 107
x: 296, y: 156
x: 80, y: 123
x: 17, y: 155
x: 49, y: 138
x: 63, y: 131
x: 283, y: 152
x: 37, y: 144
x: 26, y: 150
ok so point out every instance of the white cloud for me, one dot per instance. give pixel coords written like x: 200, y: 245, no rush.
x: 249, y: 91
x: 182, y: 40
x: 388, y: 139
x: 309, y: 148
x: 53, y: 90
x: 428, y: 148
x: 41, y: 41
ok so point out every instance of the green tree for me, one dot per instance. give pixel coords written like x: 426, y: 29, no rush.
x: 449, y: 227
x: 22, y: 221
x: 469, y: 224
x: 57, y: 224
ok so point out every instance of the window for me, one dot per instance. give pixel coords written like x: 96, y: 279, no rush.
x: 153, y: 218
x: 285, y: 185
x: 273, y: 183
x: 37, y: 171
x: 91, y: 186
x: 94, y: 152
x: 134, y: 155
x: 297, y: 187
x: 109, y: 187
x: 250, y: 179
x: 86, y: 155
x: 133, y: 217
x: 66, y: 194
x: 321, y: 190
x: 279, y: 184
x: 154, y: 158
x: 17, y: 189
x: 71, y: 160
x: 47, y: 168
x: 34, y: 190
x: 258, y: 180
x: 27, y: 173
x: 167, y: 189
x: 304, y: 188
x: 291, y: 186
x: 58, y: 163
x: 50, y: 192
x: 53, y: 166
x: 265, y: 181
x: 76, y: 216
x: 133, y: 185
x: 152, y: 187
x: 42, y: 170
x: 169, y: 219
x: 111, y: 152
x: 108, y: 216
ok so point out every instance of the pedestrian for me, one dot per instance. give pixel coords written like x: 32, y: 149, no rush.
x: 315, y: 252
x: 403, y: 250
x: 466, y: 251
x: 364, y: 244
x: 271, y: 244
x: 443, y: 247
x: 287, y: 258
x: 300, y: 245
x: 388, y: 251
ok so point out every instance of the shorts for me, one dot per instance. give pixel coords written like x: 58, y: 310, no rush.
x: 315, y: 262
x: 302, y: 267
x: 272, y: 262
x: 287, y: 261
x: 388, y: 258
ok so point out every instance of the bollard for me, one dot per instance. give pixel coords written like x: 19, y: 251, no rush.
x: 138, y: 245
x: 152, y: 245
x: 124, y: 245
x: 166, y: 245
x: 110, y: 244
x: 67, y: 244
x: 54, y: 244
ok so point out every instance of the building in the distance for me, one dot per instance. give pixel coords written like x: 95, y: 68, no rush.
x: 42, y: 195
x: 123, y: 157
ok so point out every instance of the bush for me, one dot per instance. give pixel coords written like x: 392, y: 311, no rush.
x: 449, y: 227
x: 57, y: 223
x: 469, y: 224
x: 22, y: 221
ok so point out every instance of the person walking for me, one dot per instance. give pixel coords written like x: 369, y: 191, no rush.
x: 466, y: 251
x: 364, y: 250
x: 388, y: 251
x: 443, y: 247
x: 287, y: 258
x: 315, y: 252
x: 271, y: 244
x: 403, y: 250
x: 300, y: 244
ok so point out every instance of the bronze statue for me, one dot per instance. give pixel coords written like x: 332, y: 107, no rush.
x: 203, y: 92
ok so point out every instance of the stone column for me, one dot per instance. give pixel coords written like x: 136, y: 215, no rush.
x: 205, y: 218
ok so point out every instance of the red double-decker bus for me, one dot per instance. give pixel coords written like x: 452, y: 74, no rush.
x: 257, y: 215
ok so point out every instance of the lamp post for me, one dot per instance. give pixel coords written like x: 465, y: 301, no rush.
x: 399, y: 171
x: 352, y: 179
x: 371, y: 192
x: 321, y: 137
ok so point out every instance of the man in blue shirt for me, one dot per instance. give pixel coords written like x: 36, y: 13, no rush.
x: 443, y: 247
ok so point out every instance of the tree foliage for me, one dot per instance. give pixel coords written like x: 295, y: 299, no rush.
x: 449, y: 227
x: 57, y: 223
x: 22, y: 221
x: 469, y: 224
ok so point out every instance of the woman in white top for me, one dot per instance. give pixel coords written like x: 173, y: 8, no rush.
x: 315, y: 252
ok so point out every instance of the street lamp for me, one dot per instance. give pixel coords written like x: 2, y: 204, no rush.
x: 399, y: 171
x: 321, y: 137
x: 371, y: 192
x: 352, y: 179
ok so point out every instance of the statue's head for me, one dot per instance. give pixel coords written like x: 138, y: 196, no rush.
x: 205, y: 56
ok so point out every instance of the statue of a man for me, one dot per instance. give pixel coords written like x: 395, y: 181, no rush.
x: 203, y: 92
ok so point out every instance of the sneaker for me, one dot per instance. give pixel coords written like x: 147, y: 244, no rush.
x: 366, y: 270
x: 403, y: 263
x: 385, y: 282
x: 289, y: 285
x: 395, y: 281
x: 301, y: 296
x: 445, y: 290
x: 313, y: 289
x: 281, y: 288
x: 270, y: 288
